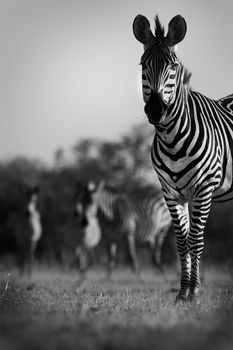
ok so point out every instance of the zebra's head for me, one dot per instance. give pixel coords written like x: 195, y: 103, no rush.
x: 161, y: 70
x: 85, y: 195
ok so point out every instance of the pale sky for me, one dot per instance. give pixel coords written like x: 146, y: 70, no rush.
x: 70, y: 68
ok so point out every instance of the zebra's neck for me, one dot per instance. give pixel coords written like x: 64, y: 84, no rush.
x: 176, y: 129
x: 32, y: 207
x: 106, y: 203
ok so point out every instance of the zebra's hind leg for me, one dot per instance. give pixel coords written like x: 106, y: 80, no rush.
x: 133, y: 254
x: 157, y: 251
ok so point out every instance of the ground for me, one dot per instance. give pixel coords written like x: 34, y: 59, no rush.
x: 57, y: 310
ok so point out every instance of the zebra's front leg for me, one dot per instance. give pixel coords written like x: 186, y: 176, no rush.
x: 112, y: 258
x: 81, y: 256
x: 31, y: 258
x: 200, y: 212
x: 180, y: 218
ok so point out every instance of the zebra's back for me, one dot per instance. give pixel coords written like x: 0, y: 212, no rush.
x: 145, y: 216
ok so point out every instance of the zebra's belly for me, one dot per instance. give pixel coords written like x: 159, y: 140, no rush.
x: 224, y: 193
x: 146, y: 231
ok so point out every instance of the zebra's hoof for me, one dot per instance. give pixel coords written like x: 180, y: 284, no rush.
x: 194, y: 299
x: 181, y: 298
x: 137, y: 271
x: 31, y: 286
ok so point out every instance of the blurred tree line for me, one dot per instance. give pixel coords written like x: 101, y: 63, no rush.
x: 124, y: 164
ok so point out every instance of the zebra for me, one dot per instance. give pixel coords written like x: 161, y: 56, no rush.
x: 34, y: 220
x: 86, y: 211
x: 32, y: 230
x: 145, y: 220
x: 193, y: 143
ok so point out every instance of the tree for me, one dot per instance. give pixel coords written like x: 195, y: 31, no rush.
x: 122, y: 163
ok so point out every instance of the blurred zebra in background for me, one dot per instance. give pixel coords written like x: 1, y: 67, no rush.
x: 32, y: 231
x: 114, y: 216
x: 86, y: 211
x: 34, y: 223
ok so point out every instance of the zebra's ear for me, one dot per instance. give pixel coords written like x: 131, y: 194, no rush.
x: 176, y: 30
x: 141, y: 29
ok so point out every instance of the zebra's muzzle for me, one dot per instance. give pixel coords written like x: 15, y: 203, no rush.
x: 155, y: 109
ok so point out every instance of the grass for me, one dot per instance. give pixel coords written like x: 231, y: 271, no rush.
x: 55, y: 310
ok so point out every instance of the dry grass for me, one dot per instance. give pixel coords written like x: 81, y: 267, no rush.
x: 55, y: 311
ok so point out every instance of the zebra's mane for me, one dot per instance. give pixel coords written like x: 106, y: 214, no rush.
x: 186, y: 77
x: 159, y: 35
x: 109, y: 200
x: 106, y: 202
x: 159, y: 29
